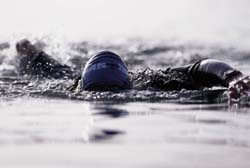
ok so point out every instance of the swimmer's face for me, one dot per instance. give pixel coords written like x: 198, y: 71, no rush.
x: 24, y: 47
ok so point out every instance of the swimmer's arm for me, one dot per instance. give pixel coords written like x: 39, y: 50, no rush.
x: 211, y: 72
x: 43, y: 58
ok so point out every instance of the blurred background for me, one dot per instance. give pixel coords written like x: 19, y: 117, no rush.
x: 209, y: 21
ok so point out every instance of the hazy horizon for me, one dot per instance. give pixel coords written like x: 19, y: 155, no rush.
x: 206, y: 20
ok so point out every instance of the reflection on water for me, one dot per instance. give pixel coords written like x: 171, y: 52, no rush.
x: 157, y: 128
x: 111, y: 112
x: 214, y: 124
x: 39, y: 121
x: 104, y: 135
x: 106, y: 111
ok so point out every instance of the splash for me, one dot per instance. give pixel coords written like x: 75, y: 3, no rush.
x: 148, y: 64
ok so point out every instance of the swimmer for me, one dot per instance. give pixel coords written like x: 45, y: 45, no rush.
x: 107, y: 71
x: 37, y: 64
x: 106, y: 67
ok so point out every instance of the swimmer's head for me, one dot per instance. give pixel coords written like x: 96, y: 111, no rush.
x: 105, y: 71
x: 24, y: 47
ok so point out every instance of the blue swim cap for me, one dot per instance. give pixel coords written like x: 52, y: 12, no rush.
x: 105, y: 71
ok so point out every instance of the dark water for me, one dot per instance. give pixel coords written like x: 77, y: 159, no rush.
x: 45, y: 125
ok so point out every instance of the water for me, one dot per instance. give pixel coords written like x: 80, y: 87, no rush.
x: 45, y: 125
x: 107, y: 134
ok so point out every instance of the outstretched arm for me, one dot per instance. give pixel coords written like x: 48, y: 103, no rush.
x: 37, y: 63
x: 211, y: 72
x: 237, y: 83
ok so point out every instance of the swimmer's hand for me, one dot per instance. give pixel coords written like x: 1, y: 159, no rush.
x: 238, y: 87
